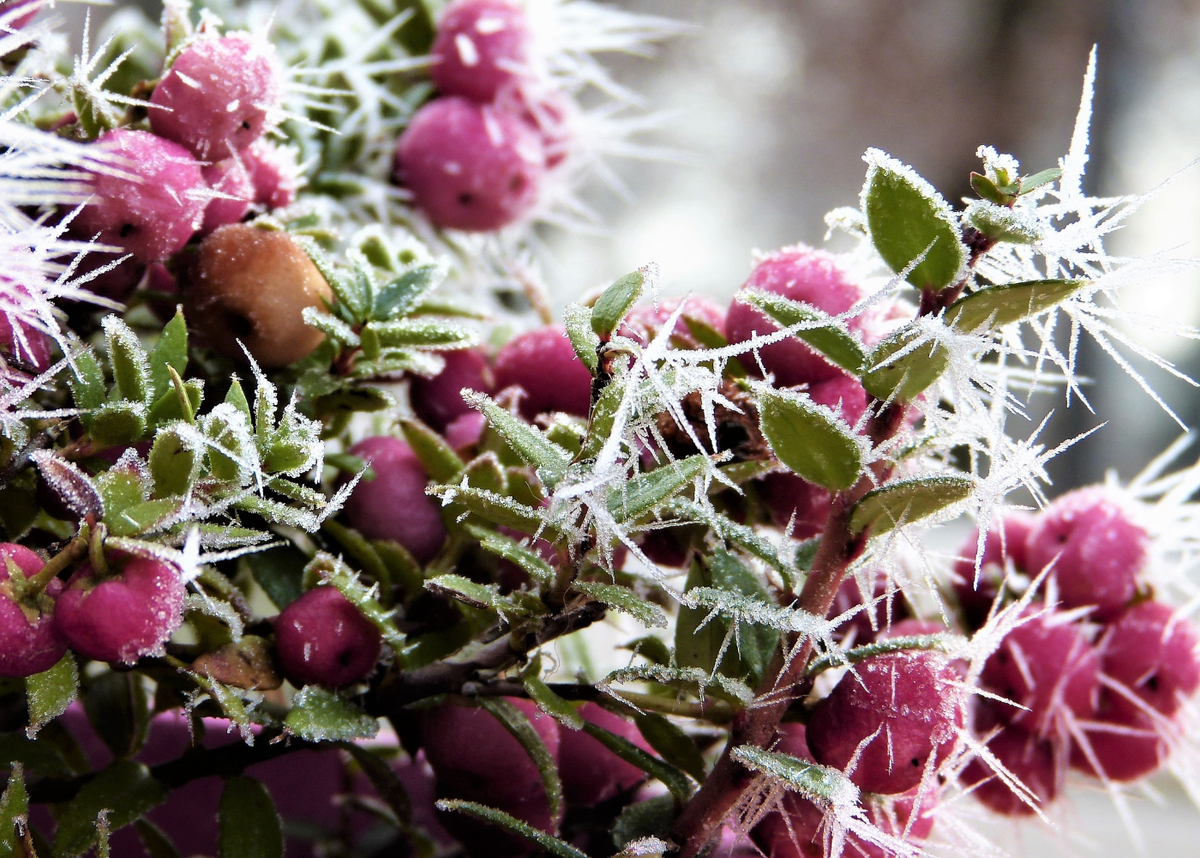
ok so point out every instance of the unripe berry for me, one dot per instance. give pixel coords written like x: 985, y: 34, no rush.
x: 438, y: 400
x: 802, y: 274
x: 908, y: 701
x: 1005, y: 541
x: 1049, y: 667
x: 1151, y: 650
x: 1125, y: 741
x: 23, y: 343
x: 482, y: 46
x: 543, y: 364
x: 231, y: 179
x: 219, y: 96
x: 323, y: 639
x: 154, y: 207
x: 470, y: 167
x: 29, y: 640
x: 125, y: 615
x: 253, y: 285
x: 590, y: 772
x: 394, y: 505
x: 1032, y: 761
x: 274, y: 173
x: 1095, y: 546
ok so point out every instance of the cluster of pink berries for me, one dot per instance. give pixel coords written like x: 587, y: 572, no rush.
x: 476, y: 157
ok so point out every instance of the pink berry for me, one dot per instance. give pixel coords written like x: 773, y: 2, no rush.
x: 465, y: 431
x: 787, y: 496
x: 888, y: 606
x: 153, y: 211
x: 550, y: 112
x: 843, y: 395
x: 124, y: 615
x: 323, y: 639
x: 901, y: 708
x: 24, y: 343
x: 1126, y: 742
x: 802, y: 274
x: 394, y: 505
x: 666, y: 547
x: 1031, y: 760
x: 1151, y: 651
x: 470, y: 167
x: 645, y: 321
x: 482, y: 46
x: 590, y: 772
x: 232, y: 181
x: 1004, y: 541
x: 274, y: 172
x: 219, y: 96
x: 543, y: 364
x: 438, y: 400
x: 1049, y: 667
x: 12, y: 19
x: 1095, y: 546
x: 29, y: 640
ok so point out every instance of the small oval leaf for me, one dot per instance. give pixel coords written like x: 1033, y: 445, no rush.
x: 826, y: 335
x: 618, y: 299
x: 998, y: 306
x: 249, y: 825
x: 909, y: 500
x: 809, y: 439
x: 902, y: 366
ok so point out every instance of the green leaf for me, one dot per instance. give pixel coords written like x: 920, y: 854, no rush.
x: 400, y: 296
x: 549, y: 702
x: 126, y: 789
x: 117, y: 423
x: 171, y: 350
x: 645, y: 492
x: 616, y: 301
x: 352, y: 400
x: 179, y: 402
x: 997, y: 306
x: 650, y: 818
x: 549, y: 460
x: 249, y: 825
x: 822, y: 332
x: 942, y: 642
x: 625, y: 600
x: 1004, y: 224
x: 651, y: 648
x: 361, y: 551
x: 987, y: 189
x: 906, y: 216
x: 87, y: 382
x: 437, y: 457
x: 891, y: 378
x: 908, y: 500
x: 809, y: 438
x: 494, y: 507
x: 48, y: 694
x: 118, y: 709
x: 485, y: 596
x: 672, y: 778
x: 1044, y: 177
x: 173, y: 464
x: 336, y: 573
x: 154, y: 840
x: 600, y: 421
x: 499, y: 818
x: 280, y: 572
x: 14, y: 813
x: 522, y: 730
x: 39, y: 755
x: 347, y: 288
x: 120, y: 489
x: 422, y: 334
x: 823, y: 783
x: 320, y: 715
x: 578, y: 320
x: 672, y: 744
x: 131, y: 368
x: 512, y: 551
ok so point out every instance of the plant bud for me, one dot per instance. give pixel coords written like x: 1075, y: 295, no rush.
x: 323, y: 639
x: 544, y: 365
x: 482, y: 46
x: 29, y: 640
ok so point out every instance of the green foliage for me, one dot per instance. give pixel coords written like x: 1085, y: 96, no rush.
x: 810, y: 439
x: 249, y: 825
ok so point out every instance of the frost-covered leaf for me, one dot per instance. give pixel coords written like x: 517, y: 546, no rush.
x: 550, y: 844
x: 1002, y: 223
x: 335, y: 572
x: 125, y: 789
x: 548, y: 459
x: 741, y: 535
x: 647, y: 491
x: 171, y: 351
x: 677, y: 677
x: 320, y: 715
x: 78, y: 492
x: 549, y: 702
x: 14, y: 813
x: 644, y: 819
x: 623, y: 599
x: 87, y: 381
x: 180, y: 401
x: 616, y: 301
x: 117, y: 423
x: 130, y: 365
x: 672, y: 744
x: 672, y: 778
x: 908, y: 500
x: 904, y: 364
x: 504, y: 546
x: 400, y: 296
x: 249, y: 826
x: 945, y: 643
x: 997, y: 306
x: 331, y: 326
x: 809, y: 438
x: 518, y: 725
x: 821, y: 331
x: 823, y: 784
x: 422, y: 334
x: 488, y: 596
x: 49, y: 693
x: 578, y: 321
x: 174, y: 463
x: 906, y: 217
x: 492, y: 506
x: 436, y: 456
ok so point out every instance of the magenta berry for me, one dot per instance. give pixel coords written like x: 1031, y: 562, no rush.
x: 23, y: 343
x: 465, y: 431
x: 795, y: 500
x: 152, y: 211
x: 590, y: 772
x: 1005, y: 541
x: 909, y: 702
x: 482, y: 46
x: 394, y: 505
x: 29, y: 640
x: 219, y: 96
x: 646, y: 320
x: 323, y: 639
x: 888, y: 606
x: 1126, y: 742
x: 274, y: 173
x: 123, y: 615
x: 233, y: 191
x: 843, y: 395
x: 544, y: 365
x: 11, y: 16
x: 802, y: 274
x: 438, y: 400
x: 1034, y: 763
x: 469, y: 166
x: 1151, y: 651
x: 1096, y: 548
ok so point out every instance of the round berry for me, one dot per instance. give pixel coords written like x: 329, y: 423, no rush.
x: 801, y: 274
x: 323, y: 639
x: 1032, y: 761
x: 1151, y: 650
x: 544, y: 365
x: 23, y: 343
x: 843, y: 394
x: 1126, y: 742
x: 893, y: 712
x: 274, y: 173
x: 794, y: 500
x: 253, y: 285
x: 1096, y: 548
x: 233, y: 191
x: 469, y: 166
x: 438, y: 400
x: 1005, y: 541
x: 481, y: 47
x: 12, y: 18
x: 888, y: 606
x: 465, y: 431
x: 590, y: 772
x: 29, y: 640
x: 219, y: 96
x: 394, y: 505
x: 154, y: 206
x: 644, y: 322
x: 124, y: 615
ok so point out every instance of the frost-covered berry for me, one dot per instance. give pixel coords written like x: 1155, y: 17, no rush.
x: 795, y: 501
x: 802, y: 274
x: 590, y: 772
x: 274, y: 173
x: 438, y: 400
x: 482, y: 46
x: 29, y: 640
x: 469, y: 166
x: 1049, y: 667
x: 1031, y: 760
x: 394, y: 505
x: 909, y: 702
x: 23, y: 343
x: 544, y: 365
x: 1152, y: 651
x: 233, y: 191
x: 11, y: 18
x: 888, y: 606
x: 323, y: 639
x: 1125, y: 741
x: 1005, y: 541
x: 253, y: 285
x: 645, y: 321
x: 219, y: 96
x: 1096, y: 548
x: 154, y: 206
x: 842, y: 394
x: 124, y: 615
